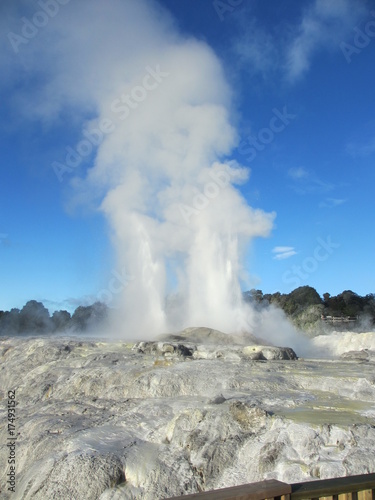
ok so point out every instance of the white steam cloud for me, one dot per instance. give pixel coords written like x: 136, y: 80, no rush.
x: 179, y: 223
x: 158, y: 106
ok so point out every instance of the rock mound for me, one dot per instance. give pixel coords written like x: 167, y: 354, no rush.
x: 204, y: 335
x: 363, y: 355
x: 170, y: 350
x: 261, y: 352
x: 73, y: 475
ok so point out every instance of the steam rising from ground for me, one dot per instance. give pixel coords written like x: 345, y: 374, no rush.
x: 162, y: 171
x: 337, y: 343
x: 180, y: 225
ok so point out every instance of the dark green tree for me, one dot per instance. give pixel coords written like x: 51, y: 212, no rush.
x: 34, y: 318
x: 305, y: 296
x: 85, y: 317
x: 10, y: 322
x: 61, y: 320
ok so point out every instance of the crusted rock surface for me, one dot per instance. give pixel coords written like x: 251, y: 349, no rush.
x: 146, y: 420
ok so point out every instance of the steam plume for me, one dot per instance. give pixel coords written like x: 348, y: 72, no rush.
x: 179, y: 223
x: 161, y: 118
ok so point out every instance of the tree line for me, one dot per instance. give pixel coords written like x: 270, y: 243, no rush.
x: 304, y: 306
x: 35, y: 318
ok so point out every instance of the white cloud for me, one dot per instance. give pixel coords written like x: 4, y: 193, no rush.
x: 332, y: 202
x: 361, y: 149
x: 298, y: 173
x: 282, y: 249
x: 307, y: 182
x: 291, y: 48
x: 322, y: 27
x: 256, y: 49
x: 283, y: 252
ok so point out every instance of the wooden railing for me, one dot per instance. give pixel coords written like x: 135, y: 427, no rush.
x: 343, y: 488
x: 339, y: 319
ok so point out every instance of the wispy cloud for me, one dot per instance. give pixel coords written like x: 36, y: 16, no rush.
x: 361, y: 149
x: 307, y: 182
x: 256, y: 49
x: 322, y: 27
x: 283, y: 252
x: 4, y: 240
x: 332, y: 202
x: 290, y: 50
x: 298, y: 173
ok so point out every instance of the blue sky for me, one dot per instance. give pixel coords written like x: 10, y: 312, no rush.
x: 301, y: 75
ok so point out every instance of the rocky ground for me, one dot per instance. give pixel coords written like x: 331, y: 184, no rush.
x: 193, y: 411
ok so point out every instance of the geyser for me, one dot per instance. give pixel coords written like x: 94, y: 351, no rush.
x: 180, y: 224
x: 157, y: 133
